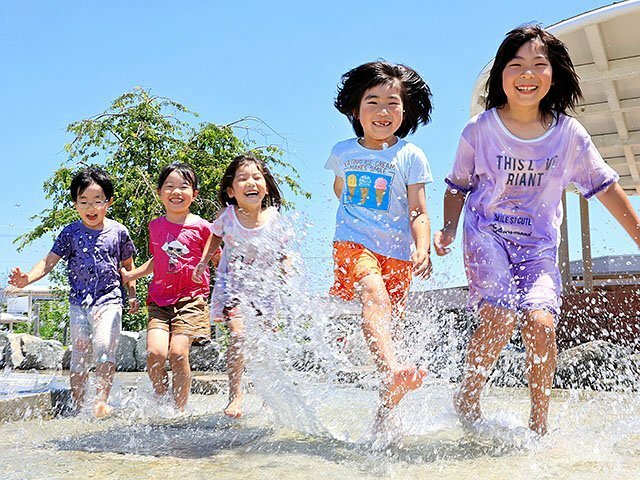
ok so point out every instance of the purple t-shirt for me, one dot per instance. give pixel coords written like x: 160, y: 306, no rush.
x: 515, y: 186
x: 93, y: 259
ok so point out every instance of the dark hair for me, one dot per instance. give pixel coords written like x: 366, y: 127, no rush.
x: 565, y: 84
x: 416, y: 95
x: 273, y: 196
x: 88, y: 176
x: 183, y: 169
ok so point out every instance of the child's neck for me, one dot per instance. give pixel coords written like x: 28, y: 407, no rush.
x: 179, y: 218
x: 526, y: 122
x: 374, y: 144
x: 251, y: 217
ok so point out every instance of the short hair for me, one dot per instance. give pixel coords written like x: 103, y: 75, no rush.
x: 88, y: 176
x: 565, y: 89
x: 184, y: 169
x: 273, y: 196
x: 416, y: 95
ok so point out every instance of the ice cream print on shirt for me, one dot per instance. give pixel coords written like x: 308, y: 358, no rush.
x: 176, y: 251
x: 368, y: 189
x: 521, y: 178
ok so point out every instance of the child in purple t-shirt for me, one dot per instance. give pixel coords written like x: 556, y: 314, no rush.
x: 94, y: 248
x: 178, y: 307
x: 513, y: 162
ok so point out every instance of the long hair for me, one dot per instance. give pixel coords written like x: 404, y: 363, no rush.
x: 565, y: 89
x: 416, y: 95
x: 273, y: 196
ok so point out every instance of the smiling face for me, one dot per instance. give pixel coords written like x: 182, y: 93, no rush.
x: 92, y: 204
x: 526, y: 79
x: 380, y: 114
x: 249, y: 187
x: 177, y: 195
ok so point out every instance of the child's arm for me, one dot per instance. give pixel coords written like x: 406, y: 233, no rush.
x: 453, y: 203
x: 142, y: 271
x: 616, y: 201
x: 213, y: 242
x: 420, y: 230
x: 20, y: 279
x: 338, y: 185
x: 134, y: 304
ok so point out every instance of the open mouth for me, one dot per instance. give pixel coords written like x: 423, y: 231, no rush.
x: 381, y: 124
x: 92, y: 217
x: 176, y: 201
x: 251, y: 194
x: 526, y: 88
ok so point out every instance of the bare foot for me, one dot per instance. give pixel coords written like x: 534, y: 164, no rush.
x: 399, y: 383
x: 468, y: 412
x: 387, y: 428
x: 538, y: 427
x: 234, y: 407
x: 101, y: 409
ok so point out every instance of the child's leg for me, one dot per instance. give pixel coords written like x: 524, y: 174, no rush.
x: 80, y: 330
x: 539, y: 337
x: 157, y: 352
x: 376, y: 327
x: 104, y: 380
x: 235, y: 361
x: 493, y: 333
x: 181, y: 370
x: 107, y: 324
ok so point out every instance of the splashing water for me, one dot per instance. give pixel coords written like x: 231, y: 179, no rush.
x: 310, y: 366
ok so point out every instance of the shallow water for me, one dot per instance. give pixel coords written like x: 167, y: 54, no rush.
x: 593, y: 435
x: 305, y: 423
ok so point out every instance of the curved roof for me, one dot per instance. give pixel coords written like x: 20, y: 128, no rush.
x: 605, y: 47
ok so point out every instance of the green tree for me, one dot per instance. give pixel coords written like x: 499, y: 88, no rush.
x: 132, y: 140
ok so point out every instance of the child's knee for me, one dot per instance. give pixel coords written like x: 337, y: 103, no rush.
x: 539, y: 323
x: 179, y: 353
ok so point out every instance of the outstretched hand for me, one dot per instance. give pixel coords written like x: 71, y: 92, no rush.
x: 18, y: 278
x: 441, y: 241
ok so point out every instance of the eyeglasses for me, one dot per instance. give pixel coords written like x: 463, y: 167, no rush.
x: 97, y: 204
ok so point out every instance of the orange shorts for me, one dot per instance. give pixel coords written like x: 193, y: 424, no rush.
x: 353, y: 262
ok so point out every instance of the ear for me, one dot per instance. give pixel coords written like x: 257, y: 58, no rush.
x: 110, y: 202
x: 230, y: 192
x: 195, y: 194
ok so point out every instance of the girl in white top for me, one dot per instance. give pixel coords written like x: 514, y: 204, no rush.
x: 253, y: 242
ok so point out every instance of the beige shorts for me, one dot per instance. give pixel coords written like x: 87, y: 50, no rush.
x: 189, y: 316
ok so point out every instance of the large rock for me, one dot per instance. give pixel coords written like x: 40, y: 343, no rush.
x: 141, y: 351
x: 13, y: 355
x: 66, y: 358
x: 510, y: 370
x: 4, y: 343
x: 597, y: 365
x: 206, y: 357
x: 126, y: 352
x: 41, y: 354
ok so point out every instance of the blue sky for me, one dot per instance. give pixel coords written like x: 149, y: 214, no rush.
x: 277, y: 60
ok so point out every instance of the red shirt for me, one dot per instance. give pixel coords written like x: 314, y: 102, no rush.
x: 176, y: 250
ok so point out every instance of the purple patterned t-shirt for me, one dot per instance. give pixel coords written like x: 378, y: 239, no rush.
x: 93, y: 260
x: 515, y: 186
